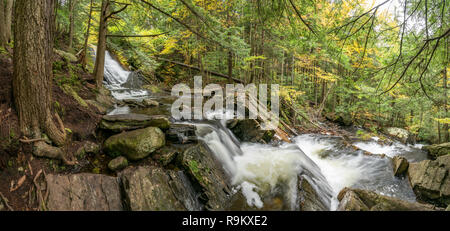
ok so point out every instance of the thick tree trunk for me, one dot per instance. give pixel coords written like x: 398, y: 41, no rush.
x: 32, y: 82
x: 2, y: 24
x: 5, y: 21
x: 99, y: 69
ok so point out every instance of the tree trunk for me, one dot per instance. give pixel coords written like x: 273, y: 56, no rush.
x: 99, y: 69
x: 230, y: 67
x: 32, y: 81
x: 86, y: 39
x: 71, y: 21
x: 445, y: 127
x: 5, y: 21
x: 2, y: 23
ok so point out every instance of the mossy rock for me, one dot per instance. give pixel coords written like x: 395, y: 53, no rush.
x: 135, y: 145
x: 200, y: 165
x: 126, y: 122
x: 437, y: 150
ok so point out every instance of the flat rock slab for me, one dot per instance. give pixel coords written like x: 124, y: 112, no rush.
x: 148, y: 189
x: 83, y: 192
x: 126, y: 122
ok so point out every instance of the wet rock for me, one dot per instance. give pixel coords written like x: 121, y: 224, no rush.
x: 249, y: 130
x: 150, y: 103
x: 181, y: 134
x: 87, y: 148
x: 136, y: 144
x: 400, y: 134
x: 200, y: 165
x: 400, y: 165
x: 184, y: 190
x: 134, y: 81
x: 437, y: 150
x: 165, y: 155
x: 118, y: 163
x: 83, y: 192
x: 430, y: 180
x: 133, y: 102
x: 104, y: 99
x: 148, y: 189
x: 364, y: 200
x: 309, y: 199
x: 126, y: 122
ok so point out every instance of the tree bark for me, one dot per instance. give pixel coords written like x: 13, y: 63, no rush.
x: 86, y: 39
x: 99, y: 69
x: 5, y: 21
x: 445, y: 127
x: 71, y: 21
x: 32, y: 81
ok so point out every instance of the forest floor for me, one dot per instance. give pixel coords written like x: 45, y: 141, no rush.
x: 18, y: 167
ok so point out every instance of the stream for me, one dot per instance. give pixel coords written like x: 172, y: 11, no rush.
x: 262, y: 171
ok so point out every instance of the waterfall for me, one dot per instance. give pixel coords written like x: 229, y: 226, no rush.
x: 260, y: 170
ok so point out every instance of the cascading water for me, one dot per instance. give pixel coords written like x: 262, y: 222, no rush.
x: 260, y: 170
x: 115, y: 79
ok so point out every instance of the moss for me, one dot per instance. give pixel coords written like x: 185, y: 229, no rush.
x: 70, y: 91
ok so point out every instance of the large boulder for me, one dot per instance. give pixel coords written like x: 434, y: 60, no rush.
x: 400, y: 134
x: 430, y: 180
x: 364, y: 200
x: 126, y: 122
x: 400, y: 165
x: 437, y: 150
x: 249, y: 130
x: 83, y: 192
x: 135, y: 145
x: 204, y: 170
x: 148, y: 189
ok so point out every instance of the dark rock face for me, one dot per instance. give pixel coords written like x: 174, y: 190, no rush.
x: 201, y: 166
x: 126, y: 122
x: 184, y: 191
x: 400, y: 165
x: 430, y: 180
x: 135, y: 80
x: 437, y: 150
x: 181, y: 134
x: 309, y: 199
x: 83, y: 192
x: 249, y: 130
x: 148, y: 189
x: 135, y: 145
x: 343, y: 119
x: 363, y: 200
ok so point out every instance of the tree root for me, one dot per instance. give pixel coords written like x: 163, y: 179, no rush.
x: 5, y: 201
x: 41, y: 149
